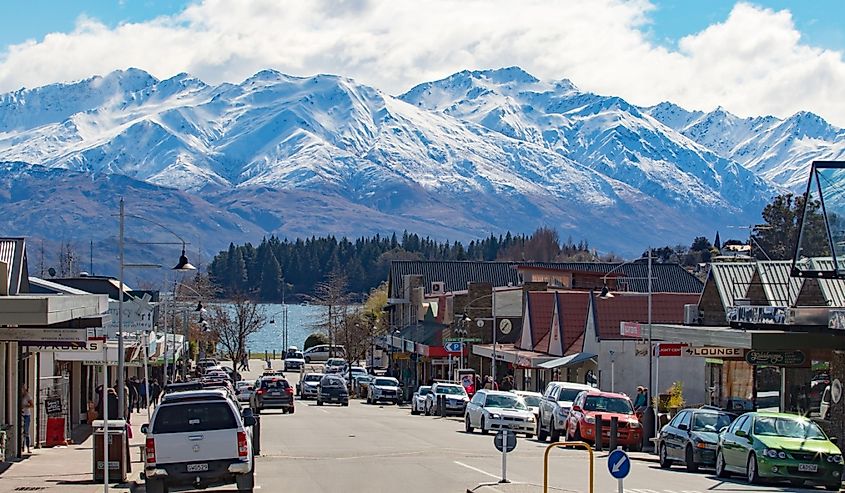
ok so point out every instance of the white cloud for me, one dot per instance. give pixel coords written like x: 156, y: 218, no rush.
x: 752, y: 63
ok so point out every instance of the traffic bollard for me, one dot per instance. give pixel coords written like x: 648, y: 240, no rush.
x: 256, y: 436
x: 598, y: 432
x: 614, y: 429
x: 442, y: 406
x: 274, y: 354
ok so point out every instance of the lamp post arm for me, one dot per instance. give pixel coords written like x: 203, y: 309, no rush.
x: 162, y: 226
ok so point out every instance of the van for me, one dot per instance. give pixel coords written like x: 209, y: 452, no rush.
x: 323, y: 352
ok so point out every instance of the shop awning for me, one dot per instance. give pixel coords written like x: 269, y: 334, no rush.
x: 761, y: 340
x: 511, y: 354
x: 571, y: 360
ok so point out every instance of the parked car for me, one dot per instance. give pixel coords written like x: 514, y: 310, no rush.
x: 499, y: 410
x: 323, y: 352
x: 333, y: 389
x: 357, y: 371
x: 776, y: 446
x: 384, y: 389
x: 223, y: 455
x: 691, y: 438
x: 309, y: 387
x: 244, y: 391
x: 456, y: 398
x: 418, y: 399
x: 361, y: 385
x: 581, y: 422
x: 335, y: 365
x: 555, y: 406
x: 294, y: 361
x: 532, y: 400
x: 272, y: 392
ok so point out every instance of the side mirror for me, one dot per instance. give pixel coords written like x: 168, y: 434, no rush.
x: 145, y: 428
x: 576, y: 408
x: 249, y: 420
x: 741, y: 433
x: 723, y: 429
x: 834, y: 440
x: 683, y: 427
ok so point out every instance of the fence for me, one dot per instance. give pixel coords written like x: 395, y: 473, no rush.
x: 53, y: 402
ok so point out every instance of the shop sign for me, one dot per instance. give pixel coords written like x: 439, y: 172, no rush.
x: 53, y: 405
x: 630, y: 329
x: 458, y: 339
x: 715, y: 352
x: 775, y: 358
x: 45, y: 337
x: 774, y: 315
x: 669, y: 349
x: 837, y: 320
x: 402, y: 356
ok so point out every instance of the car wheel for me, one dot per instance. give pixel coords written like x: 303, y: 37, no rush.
x: 721, y: 470
x: 484, y: 430
x: 796, y: 482
x: 833, y: 487
x: 414, y: 410
x: 529, y: 435
x: 291, y: 410
x: 345, y: 404
x: 689, y: 458
x: 577, y: 434
x: 554, y: 436
x: 307, y: 359
x: 155, y: 486
x: 284, y: 410
x: 751, y: 473
x: 319, y: 402
x: 665, y: 463
x: 467, y: 427
x: 541, y: 432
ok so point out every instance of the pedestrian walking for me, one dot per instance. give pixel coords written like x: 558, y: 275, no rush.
x: 134, y: 402
x: 142, y: 392
x: 26, y: 410
x: 641, y: 400
x: 155, y: 392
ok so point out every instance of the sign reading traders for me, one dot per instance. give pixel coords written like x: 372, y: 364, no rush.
x: 775, y: 358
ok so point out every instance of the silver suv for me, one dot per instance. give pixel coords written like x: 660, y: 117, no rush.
x: 555, y: 406
x: 198, y: 439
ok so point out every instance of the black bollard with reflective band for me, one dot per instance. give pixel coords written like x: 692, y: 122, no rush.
x: 614, y: 432
x: 599, y: 431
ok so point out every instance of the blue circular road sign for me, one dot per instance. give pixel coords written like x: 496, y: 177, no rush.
x: 619, y: 464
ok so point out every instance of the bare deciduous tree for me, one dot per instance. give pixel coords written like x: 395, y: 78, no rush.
x: 233, y: 325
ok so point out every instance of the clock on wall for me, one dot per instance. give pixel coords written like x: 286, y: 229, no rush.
x: 505, y: 326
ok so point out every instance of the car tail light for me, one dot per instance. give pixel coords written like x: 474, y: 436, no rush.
x: 151, y: 450
x: 243, y: 448
x: 289, y: 390
x: 260, y: 391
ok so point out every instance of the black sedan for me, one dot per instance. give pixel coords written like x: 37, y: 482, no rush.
x: 691, y: 438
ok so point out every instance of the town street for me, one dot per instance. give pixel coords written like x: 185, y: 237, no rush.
x: 382, y: 448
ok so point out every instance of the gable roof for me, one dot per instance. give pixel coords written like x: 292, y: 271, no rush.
x: 666, y: 277
x: 781, y: 289
x: 665, y: 308
x: 833, y: 290
x: 456, y: 274
x: 13, y: 254
x: 572, y: 318
x: 732, y: 280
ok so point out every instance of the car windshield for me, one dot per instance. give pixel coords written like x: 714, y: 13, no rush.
x: 505, y: 401
x: 424, y: 390
x: 335, y: 362
x: 296, y: 355
x: 450, y: 389
x: 358, y: 371
x: 206, y: 416
x: 609, y: 404
x: 787, y: 428
x: 568, y: 394
x: 387, y: 382
x: 531, y: 400
x: 712, y: 422
x: 313, y: 378
x: 332, y: 382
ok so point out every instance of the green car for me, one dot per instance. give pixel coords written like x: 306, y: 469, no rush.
x: 779, y: 446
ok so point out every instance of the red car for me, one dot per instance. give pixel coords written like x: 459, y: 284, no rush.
x: 581, y: 422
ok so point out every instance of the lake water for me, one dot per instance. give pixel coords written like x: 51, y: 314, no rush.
x: 301, y: 323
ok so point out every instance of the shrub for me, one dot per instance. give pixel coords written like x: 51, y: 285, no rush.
x: 315, y: 339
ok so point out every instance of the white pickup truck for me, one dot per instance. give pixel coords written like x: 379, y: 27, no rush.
x: 198, y: 439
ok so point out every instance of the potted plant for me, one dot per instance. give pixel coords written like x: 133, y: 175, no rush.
x: 676, y: 398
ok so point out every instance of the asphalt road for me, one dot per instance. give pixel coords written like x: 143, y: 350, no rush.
x: 382, y: 448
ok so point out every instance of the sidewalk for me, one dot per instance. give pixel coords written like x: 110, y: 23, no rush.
x: 71, y: 467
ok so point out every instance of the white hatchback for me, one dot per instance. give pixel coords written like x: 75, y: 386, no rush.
x: 498, y: 410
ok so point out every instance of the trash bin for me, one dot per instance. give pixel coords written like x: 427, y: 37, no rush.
x: 118, y: 454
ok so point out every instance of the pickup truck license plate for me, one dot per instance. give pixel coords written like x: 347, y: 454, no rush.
x: 808, y: 467
x: 197, y: 467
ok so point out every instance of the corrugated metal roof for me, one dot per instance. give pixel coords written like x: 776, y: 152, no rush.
x: 732, y: 279
x: 832, y: 289
x: 666, y: 278
x: 665, y: 308
x: 781, y: 289
x: 13, y: 254
x: 456, y: 274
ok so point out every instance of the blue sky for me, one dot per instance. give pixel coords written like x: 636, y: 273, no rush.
x: 820, y: 21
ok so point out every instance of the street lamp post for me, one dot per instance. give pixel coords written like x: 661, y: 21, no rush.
x: 182, y: 266
x: 605, y: 294
x: 492, y: 319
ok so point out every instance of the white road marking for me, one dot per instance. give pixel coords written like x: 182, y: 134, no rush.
x: 477, y: 470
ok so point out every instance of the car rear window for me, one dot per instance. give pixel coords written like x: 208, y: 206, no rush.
x: 188, y: 418
x: 333, y: 382
x: 274, y: 384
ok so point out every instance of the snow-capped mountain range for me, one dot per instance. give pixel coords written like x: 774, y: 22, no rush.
x: 474, y: 153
